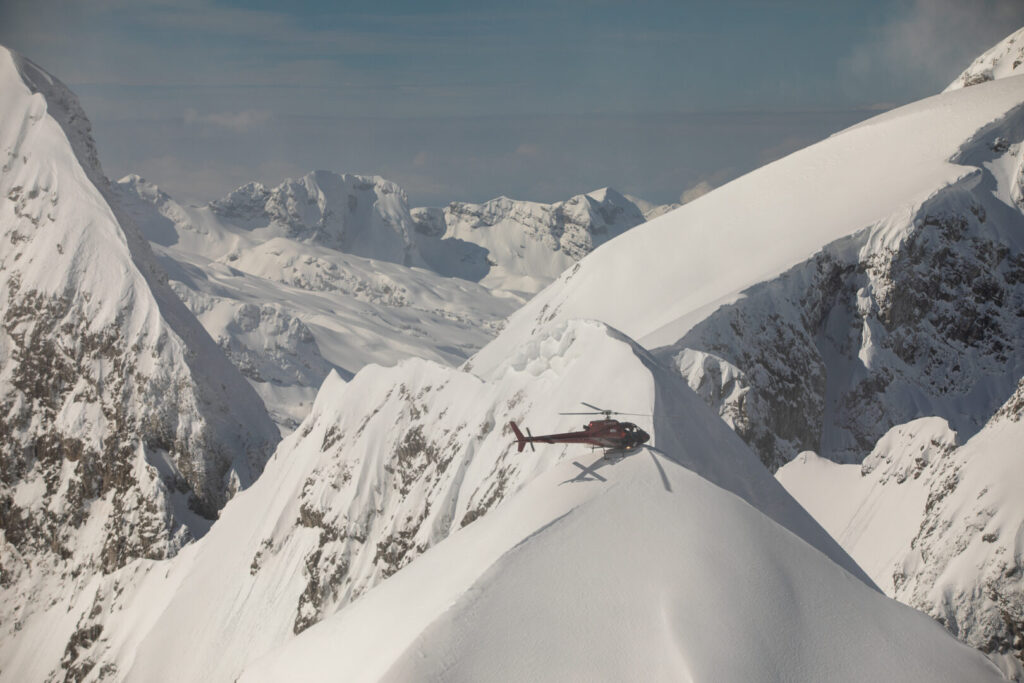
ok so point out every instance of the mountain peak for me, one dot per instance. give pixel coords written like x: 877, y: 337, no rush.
x: 1004, y: 59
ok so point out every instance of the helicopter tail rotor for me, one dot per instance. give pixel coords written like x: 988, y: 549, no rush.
x: 521, y: 440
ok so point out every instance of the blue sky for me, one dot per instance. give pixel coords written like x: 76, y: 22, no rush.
x: 466, y: 101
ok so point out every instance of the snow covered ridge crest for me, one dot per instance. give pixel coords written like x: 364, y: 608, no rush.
x: 920, y: 314
x: 394, y: 464
x: 1004, y: 59
x: 117, y: 436
x: 644, y: 536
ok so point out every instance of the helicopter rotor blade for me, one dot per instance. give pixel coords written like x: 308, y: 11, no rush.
x: 591, y: 405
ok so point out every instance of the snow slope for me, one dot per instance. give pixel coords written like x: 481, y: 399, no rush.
x: 123, y: 428
x: 1001, y: 60
x: 679, y: 562
x: 398, y: 459
x: 939, y: 527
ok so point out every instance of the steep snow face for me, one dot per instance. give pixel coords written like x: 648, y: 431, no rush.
x: 319, y: 308
x: 520, y: 245
x: 938, y: 527
x: 398, y: 459
x: 676, y: 562
x: 1003, y: 59
x: 863, y: 282
x: 122, y: 424
x: 361, y: 215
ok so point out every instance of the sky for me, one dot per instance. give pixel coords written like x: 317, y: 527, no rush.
x: 471, y: 100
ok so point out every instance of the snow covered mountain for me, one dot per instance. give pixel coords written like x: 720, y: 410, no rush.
x: 518, y: 245
x: 937, y: 525
x: 867, y: 281
x: 288, y: 306
x: 409, y: 474
x: 362, y: 216
x: 124, y: 429
x: 1003, y: 59
x: 315, y: 273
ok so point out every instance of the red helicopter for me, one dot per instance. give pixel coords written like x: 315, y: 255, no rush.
x: 606, y: 433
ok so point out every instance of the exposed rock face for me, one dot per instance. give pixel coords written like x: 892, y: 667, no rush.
x: 920, y: 314
x: 123, y: 428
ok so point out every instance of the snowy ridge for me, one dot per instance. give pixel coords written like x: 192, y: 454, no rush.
x: 119, y: 438
x: 1003, y: 59
x: 937, y: 526
x: 755, y: 220
x: 520, y: 245
x: 661, y: 539
x: 396, y: 461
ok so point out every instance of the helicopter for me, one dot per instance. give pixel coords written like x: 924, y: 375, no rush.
x: 607, y: 433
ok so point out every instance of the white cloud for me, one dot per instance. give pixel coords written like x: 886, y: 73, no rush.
x: 698, y: 190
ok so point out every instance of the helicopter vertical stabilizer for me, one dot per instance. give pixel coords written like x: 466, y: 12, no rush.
x: 520, y: 439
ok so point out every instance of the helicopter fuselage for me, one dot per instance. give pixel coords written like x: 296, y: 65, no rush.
x: 608, y: 433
